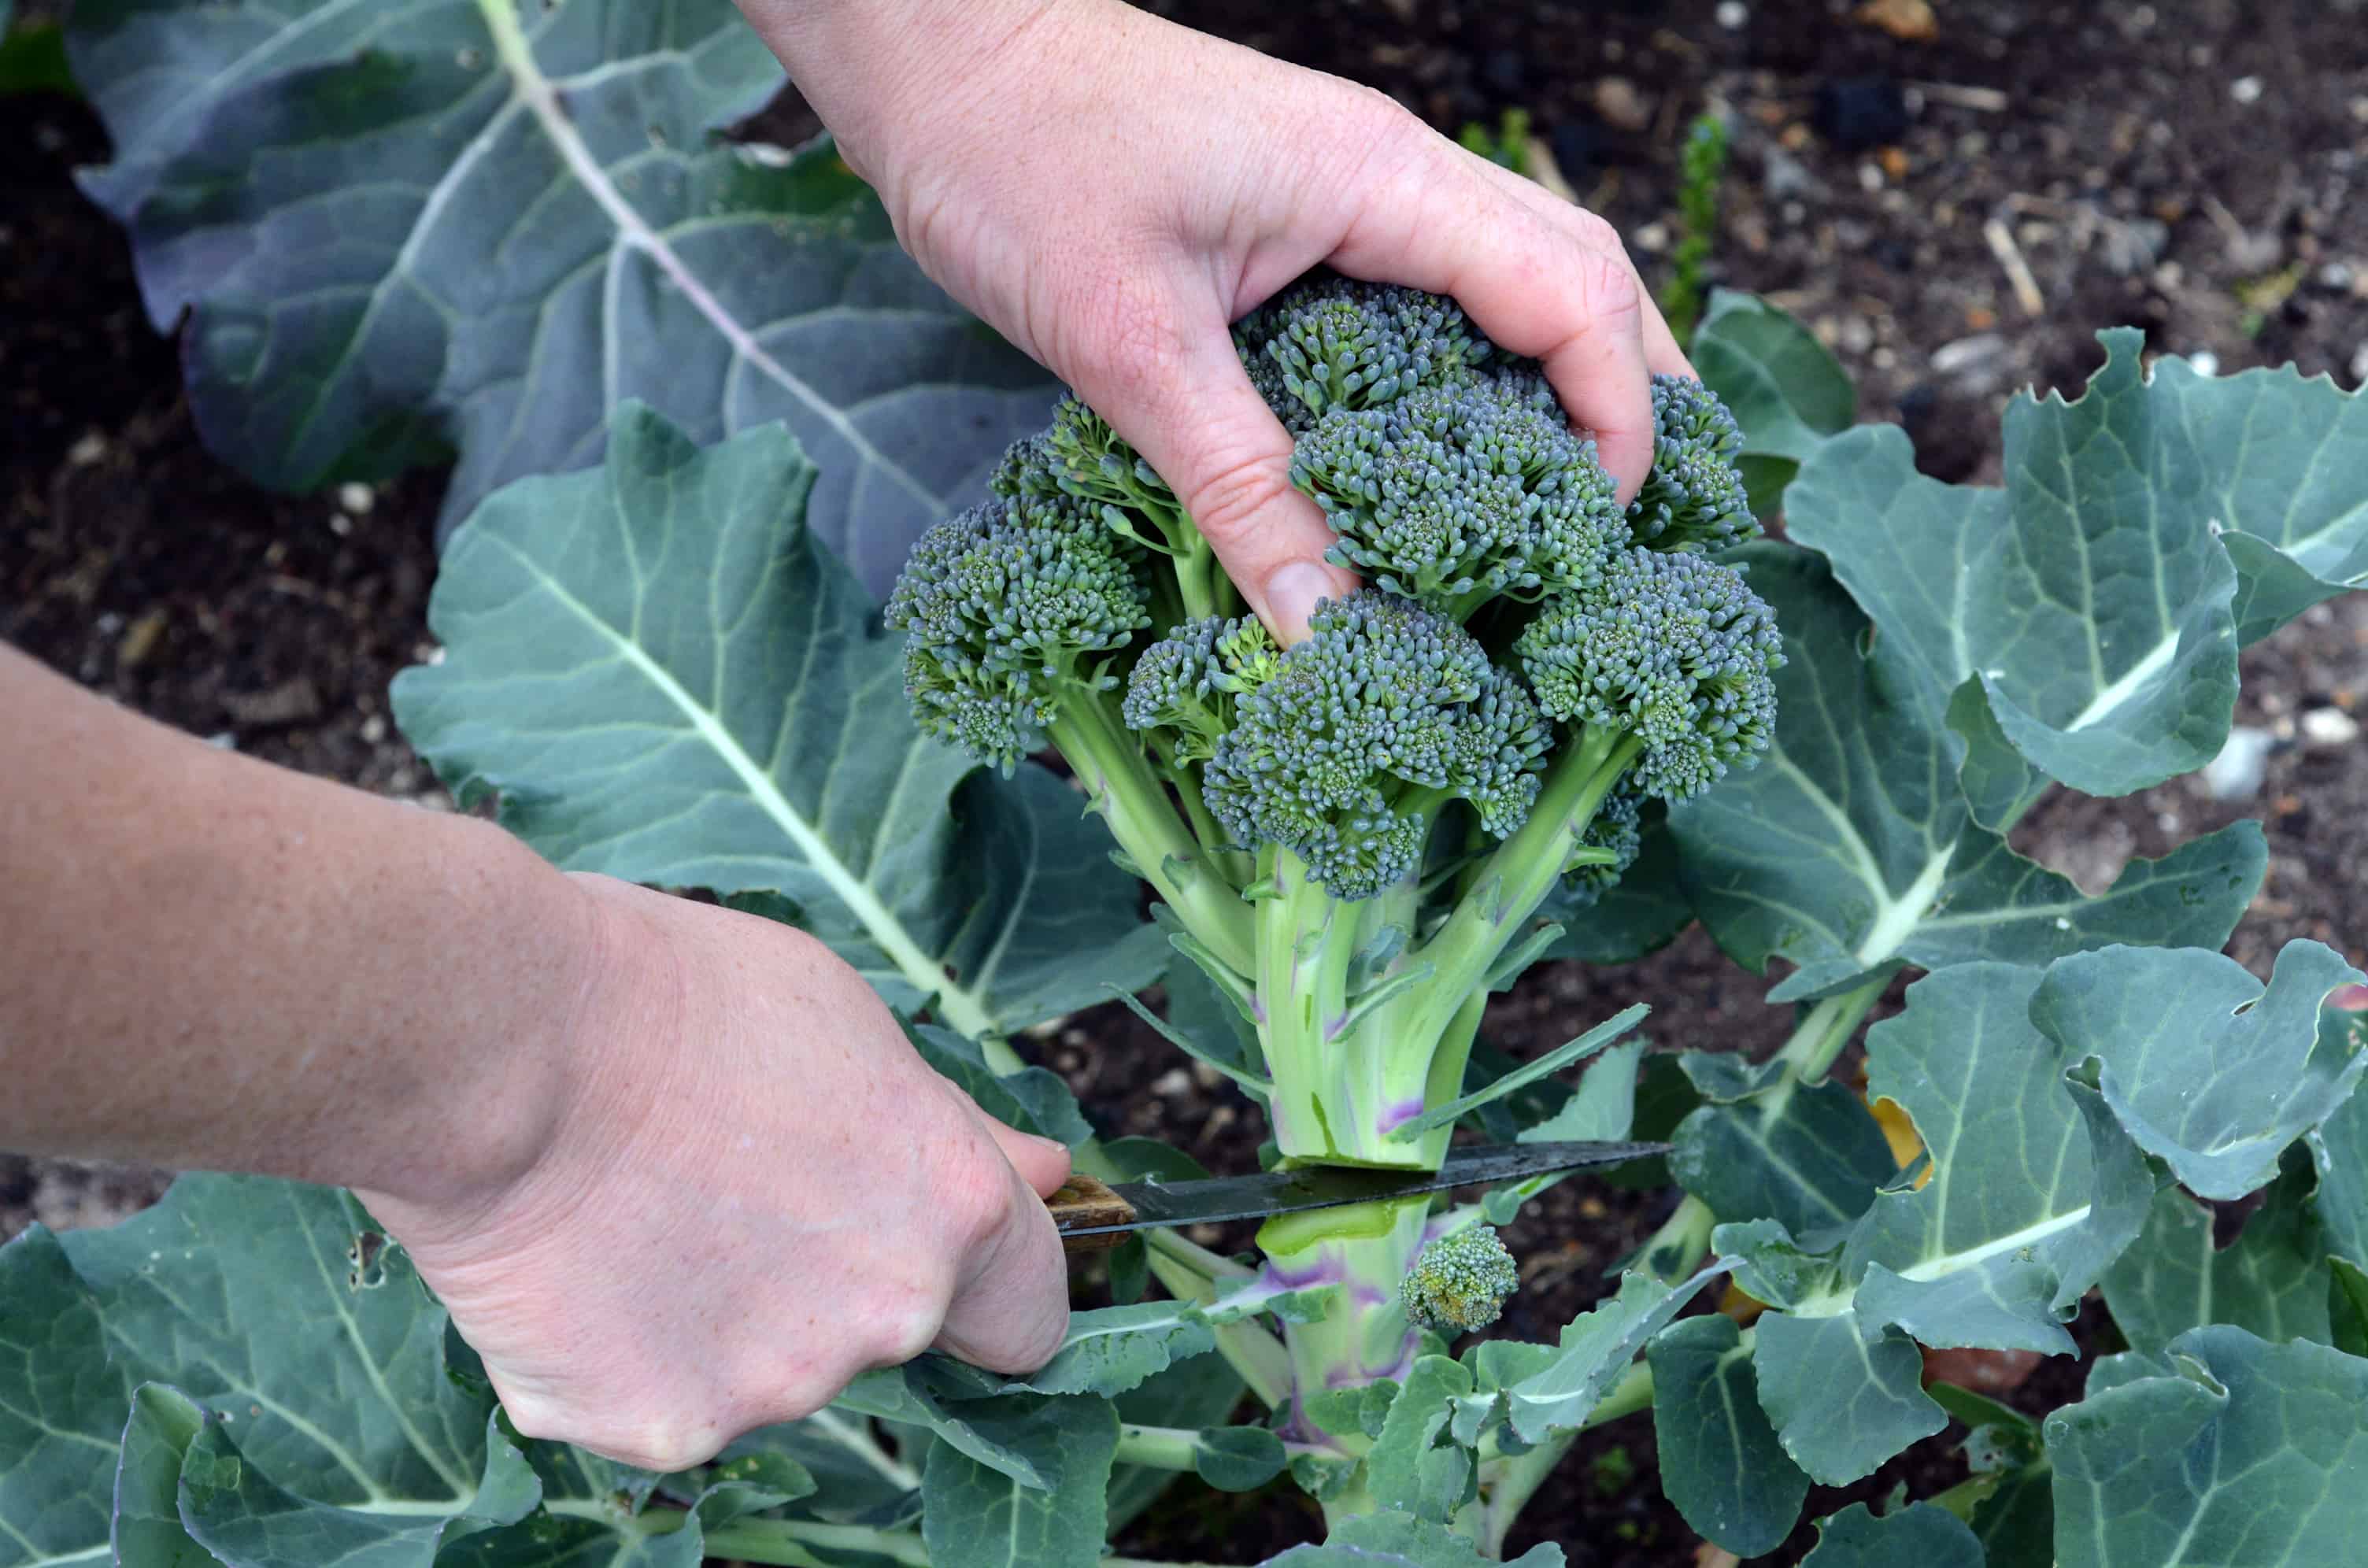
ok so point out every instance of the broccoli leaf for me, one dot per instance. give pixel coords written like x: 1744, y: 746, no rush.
x: 664, y: 677
x: 2035, y: 1188
x: 549, y: 226
x: 1415, y: 1464
x: 977, y: 1514
x: 1922, y: 1533
x: 2146, y: 531
x: 2210, y: 1072
x: 1784, y: 387
x: 1841, y: 1390
x: 2222, y: 1450
x: 2271, y: 1280
x: 1393, y: 1539
x: 1851, y: 848
x: 221, y: 1369
x: 1721, y: 1464
x: 1565, y: 1382
x: 1763, y: 1146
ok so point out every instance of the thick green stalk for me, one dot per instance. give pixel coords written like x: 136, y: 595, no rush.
x: 1118, y: 780
x: 1822, y: 1035
x: 1362, y: 1251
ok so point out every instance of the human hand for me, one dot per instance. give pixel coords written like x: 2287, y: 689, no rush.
x: 1109, y: 191
x: 750, y: 1189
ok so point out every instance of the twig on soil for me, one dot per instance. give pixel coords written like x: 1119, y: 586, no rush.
x: 1957, y: 95
x: 2018, y: 272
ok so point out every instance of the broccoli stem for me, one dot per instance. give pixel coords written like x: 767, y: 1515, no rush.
x: 1364, y: 1250
x: 1118, y: 780
x: 1502, y: 892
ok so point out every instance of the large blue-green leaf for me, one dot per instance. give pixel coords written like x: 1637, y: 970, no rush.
x: 2209, y: 1071
x: 665, y: 677
x: 1786, y: 389
x: 974, y: 1513
x: 2271, y: 1281
x: 2222, y: 1450
x: 2094, y: 600
x: 2035, y: 1188
x: 1562, y: 1384
x: 242, y: 1294
x: 250, y: 1367
x: 1922, y: 1534
x: 1851, y: 848
x: 1721, y: 1464
x: 1842, y: 1390
x: 1391, y: 1540
x: 1764, y: 1145
x: 482, y: 226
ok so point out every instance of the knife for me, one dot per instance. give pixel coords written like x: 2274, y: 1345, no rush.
x: 1092, y: 1215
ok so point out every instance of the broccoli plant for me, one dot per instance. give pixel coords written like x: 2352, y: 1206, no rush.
x: 1546, y: 730
x: 1353, y: 837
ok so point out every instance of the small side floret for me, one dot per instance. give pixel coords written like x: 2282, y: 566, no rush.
x: 1459, y: 1282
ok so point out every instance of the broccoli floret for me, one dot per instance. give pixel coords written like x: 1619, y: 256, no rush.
x: 1333, y: 343
x: 1694, y: 499
x: 1617, y: 830
x: 1002, y: 606
x: 1182, y: 692
x: 1454, y: 493
x: 1459, y: 1282
x: 1385, y: 709
x: 1674, y: 647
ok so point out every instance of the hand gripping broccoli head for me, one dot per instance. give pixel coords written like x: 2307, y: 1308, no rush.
x: 1354, y: 836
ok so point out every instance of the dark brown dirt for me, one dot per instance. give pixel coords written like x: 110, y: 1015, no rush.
x: 2195, y: 167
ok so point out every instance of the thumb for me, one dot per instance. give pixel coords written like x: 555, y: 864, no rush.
x: 1042, y: 1163
x: 1194, y: 416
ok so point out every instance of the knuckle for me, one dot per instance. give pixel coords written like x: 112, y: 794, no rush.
x: 1595, y: 232
x: 1607, y: 286
x: 1228, y: 503
x: 902, y: 1327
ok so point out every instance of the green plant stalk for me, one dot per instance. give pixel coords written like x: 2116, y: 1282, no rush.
x: 1135, y: 806
x: 1362, y: 1251
x: 1824, y: 1032
x: 788, y: 1543
x: 1342, y: 1089
x: 1673, y: 1251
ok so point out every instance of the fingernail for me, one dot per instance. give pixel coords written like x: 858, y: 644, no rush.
x: 1293, y: 592
x: 1052, y: 1145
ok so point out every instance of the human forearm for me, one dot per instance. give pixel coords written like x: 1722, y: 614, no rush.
x: 215, y: 963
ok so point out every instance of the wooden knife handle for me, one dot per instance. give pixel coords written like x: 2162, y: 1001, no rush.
x: 1082, y: 1201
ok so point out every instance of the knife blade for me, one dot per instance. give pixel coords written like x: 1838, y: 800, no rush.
x: 1092, y: 1215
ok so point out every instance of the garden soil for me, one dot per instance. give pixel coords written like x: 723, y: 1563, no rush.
x: 1956, y: 196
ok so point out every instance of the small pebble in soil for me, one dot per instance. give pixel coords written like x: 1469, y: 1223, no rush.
x: 1732, y: 15
x: 355, y: 497
x: 2237, y: 772
x: 2245, y: 89
x: 1622, y: 106
x: 2360, y: 366
x: 2329, y: 727
x: 2204, y: 362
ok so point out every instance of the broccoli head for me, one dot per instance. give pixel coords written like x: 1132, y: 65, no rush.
x: 1383, y: 712
x: 1333, y: 343
x: 1006, y: 605
x: 1455, y: 493
x: 1350, y: 835
x: 1675, y: 650
x: 1459, y: 1282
